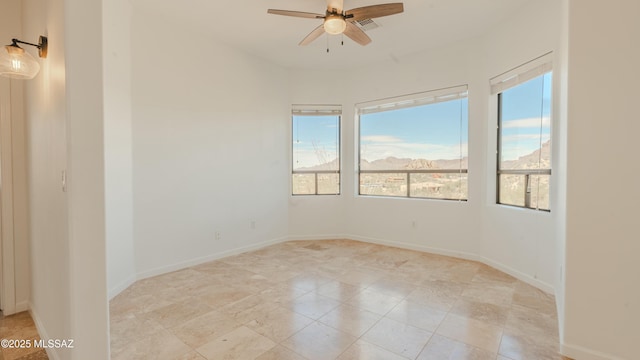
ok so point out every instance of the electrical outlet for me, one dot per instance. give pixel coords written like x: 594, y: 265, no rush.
x: 253, y: 224
x: 218, y: 236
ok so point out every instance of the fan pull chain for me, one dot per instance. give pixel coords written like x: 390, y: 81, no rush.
x: 327, y: 37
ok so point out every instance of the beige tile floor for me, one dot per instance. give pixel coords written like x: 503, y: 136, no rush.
x: 334, y: 299
x: 20, y: 327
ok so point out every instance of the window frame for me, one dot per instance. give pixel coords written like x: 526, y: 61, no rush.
x: 316, y: 110
x: 533, y: 69
x: 408, y: 101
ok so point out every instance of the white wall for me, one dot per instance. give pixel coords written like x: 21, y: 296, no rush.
x: 561, y: 176
x: 391, y: 220
x: 380, y: 219
x: 209, y: 146
x: 45, y: 112
x: 63, y: 109
x: 86, y: 178
x: 518, y: 241
x: 317, y: 217
x: 602, y: 298
x: 121, y: 271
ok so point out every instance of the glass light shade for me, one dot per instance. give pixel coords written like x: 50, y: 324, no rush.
x: 16, y: 63
x: 334, y: 24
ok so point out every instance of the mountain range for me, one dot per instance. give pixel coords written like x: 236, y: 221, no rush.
x: 529, y: 161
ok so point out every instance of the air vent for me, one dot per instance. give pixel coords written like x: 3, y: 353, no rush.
x: 367, y: 24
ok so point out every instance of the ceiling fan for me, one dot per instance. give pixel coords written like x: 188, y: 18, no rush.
x: 337, y: 21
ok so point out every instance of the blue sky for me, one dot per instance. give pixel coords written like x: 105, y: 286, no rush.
x: 431, y: 132
x: 524, y: 109
x: 315, y: 140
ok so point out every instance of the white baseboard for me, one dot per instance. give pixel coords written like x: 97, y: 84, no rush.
x: 438, y: 251
x: 22, y: 306
x: 319, y: 237
x: 417, y: 247
x: 197, y: 261
x: 113, y: 292
x: 548, y: 288
x: 581, y: 353
x: 433, y: 250
x: 52, y: 353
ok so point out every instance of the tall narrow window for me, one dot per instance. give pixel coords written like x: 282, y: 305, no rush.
x: 315, y: 150
x: 415, y: 146
x: 524, y: 136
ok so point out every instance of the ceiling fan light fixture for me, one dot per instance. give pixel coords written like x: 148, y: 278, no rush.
x: 334, y: 24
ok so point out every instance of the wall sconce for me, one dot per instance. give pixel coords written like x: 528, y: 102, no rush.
x: 16, y: 63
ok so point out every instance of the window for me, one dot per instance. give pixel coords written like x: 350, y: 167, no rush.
x: 415, y: 146
x: 316, y: 150
x: 524, y: 135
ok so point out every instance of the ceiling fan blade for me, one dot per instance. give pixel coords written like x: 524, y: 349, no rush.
x: 356, y: 34
x: 295, y: 14
x: 335, y: 4
x: 374, y: 11
x: 312, y: 36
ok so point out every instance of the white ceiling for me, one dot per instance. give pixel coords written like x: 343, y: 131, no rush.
x: 424, y: 24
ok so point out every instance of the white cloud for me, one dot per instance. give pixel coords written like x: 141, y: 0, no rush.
x: 515, y: 146
x: 524, y: 137
x: 515, y: 153
x: 381, y: 139
x: 373, y: 152
x: 309, y: 157
x: 526, y: 123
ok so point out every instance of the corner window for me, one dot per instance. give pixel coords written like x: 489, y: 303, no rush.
x: 524, y: 136
x: 315, y: 150
x: 415, y: 146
